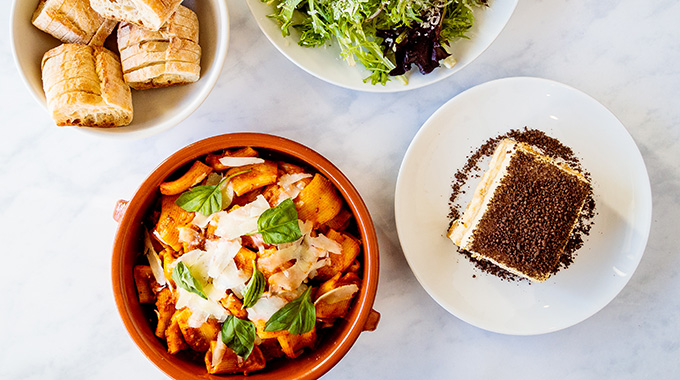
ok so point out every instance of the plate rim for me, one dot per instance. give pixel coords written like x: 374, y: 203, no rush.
x: 644, y: 186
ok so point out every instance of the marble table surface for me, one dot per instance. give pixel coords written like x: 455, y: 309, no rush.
x: 59, y: 186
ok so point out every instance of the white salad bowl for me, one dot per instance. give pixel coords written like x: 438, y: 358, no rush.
x: 326, y: 64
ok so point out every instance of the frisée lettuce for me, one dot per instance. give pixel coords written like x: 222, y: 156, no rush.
x: 385, y: 36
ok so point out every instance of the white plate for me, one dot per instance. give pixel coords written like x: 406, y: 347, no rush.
x: 155, y: 110
x: 326, y: 63
x: 611, y: 252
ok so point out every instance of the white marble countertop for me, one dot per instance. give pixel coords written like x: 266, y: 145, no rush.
x: 59, y: 186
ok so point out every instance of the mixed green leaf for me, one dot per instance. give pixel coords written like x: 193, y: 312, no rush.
x: 382, y: 35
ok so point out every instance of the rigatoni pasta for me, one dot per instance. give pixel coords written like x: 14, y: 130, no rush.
x: 248, y: 260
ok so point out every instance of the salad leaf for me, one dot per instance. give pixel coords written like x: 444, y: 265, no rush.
x: 279, y: 224
x: 361, y: 27
x: 254, y: 289
x: 239, y: 335
x: 297, y: 316
x: 183, y: 278
x: 205, y: 199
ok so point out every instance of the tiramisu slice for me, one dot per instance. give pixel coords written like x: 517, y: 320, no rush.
x: 522, y: 212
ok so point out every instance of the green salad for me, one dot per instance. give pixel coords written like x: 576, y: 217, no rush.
x: 385, y: 36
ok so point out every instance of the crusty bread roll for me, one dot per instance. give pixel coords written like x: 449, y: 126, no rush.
x: 72, y: 21
x: 149, y: 14
x: 84, y: 87
x: 167, y: 57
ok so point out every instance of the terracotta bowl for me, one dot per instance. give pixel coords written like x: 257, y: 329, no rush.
x: 337, y: 340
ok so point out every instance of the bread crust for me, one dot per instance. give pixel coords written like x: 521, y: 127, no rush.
x: 72, y: 21
x: 169, y: 56
x: 84, y: 86
x: 148, y: 14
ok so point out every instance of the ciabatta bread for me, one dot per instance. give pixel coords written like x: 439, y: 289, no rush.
x: 72, y: 21
x: 163, y: 75
x: 167, y: 57
x: 84, y: 86
x: 149, y: 14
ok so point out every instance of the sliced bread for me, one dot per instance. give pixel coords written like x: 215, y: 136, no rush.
x: 72, y: 21
x: 149, y: 14
x: 84, y: 86
x: 170, y: 56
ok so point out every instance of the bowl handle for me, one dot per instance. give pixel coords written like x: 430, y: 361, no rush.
x: 372, y: 320
x: 119, y: 210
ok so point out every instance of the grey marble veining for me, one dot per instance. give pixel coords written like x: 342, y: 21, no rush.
x: 59, y: 187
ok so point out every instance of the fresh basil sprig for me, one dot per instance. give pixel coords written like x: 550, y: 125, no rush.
x: 298, y: 316
x: 206, y: 199
x: 183, y: 278
x: 279, y: 224
x: 255, y: 288
x: 239, y: 335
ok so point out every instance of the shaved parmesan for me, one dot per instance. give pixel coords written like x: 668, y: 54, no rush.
x: 288, y: 180
x: 305, y: 259
x: 306, y: 253
x: 189, y: 235
x: 289, y: 189
x: 265, y: 307
x: 200, y: 220
x: 198, y: 262
x: 342, y: 293
x: 233, y: 162
x: 201, y: 309
x: 242, y: 220
x: 325, y: 243
x: 218, y: 351
x: 154, y: 260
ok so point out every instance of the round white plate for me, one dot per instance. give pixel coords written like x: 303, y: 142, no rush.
x: 602, y: 266
x: 326, y: 63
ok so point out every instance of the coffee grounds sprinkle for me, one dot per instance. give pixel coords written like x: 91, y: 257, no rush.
x: 550, y: 147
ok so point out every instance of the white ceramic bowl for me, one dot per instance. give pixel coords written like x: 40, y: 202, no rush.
x: 155, y: 110
x: 326, y: 64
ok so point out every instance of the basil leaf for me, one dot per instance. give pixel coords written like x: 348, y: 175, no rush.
x: 298, y: 316
x: 183, y: 278
x: 205, y: 199
x: 254, y: 289
x: 239, y: 335
x: 279, y: 224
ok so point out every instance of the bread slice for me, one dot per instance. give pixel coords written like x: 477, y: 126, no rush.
x: 170, y: 56
x: 84, y: 87
x: 182, y: 24
x: 149, y: 14
x: 164, y: 74
x: 172, y: 46
x: 72, y: 21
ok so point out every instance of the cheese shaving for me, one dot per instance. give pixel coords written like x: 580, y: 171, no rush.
x: 233, y: 162
x: 154, y: 260
x: 242, y: 220
x: 201, y: 309
x: 289, y: 186
x: 342, y: 293
x: 218, y: 351
x: 265, y: 307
